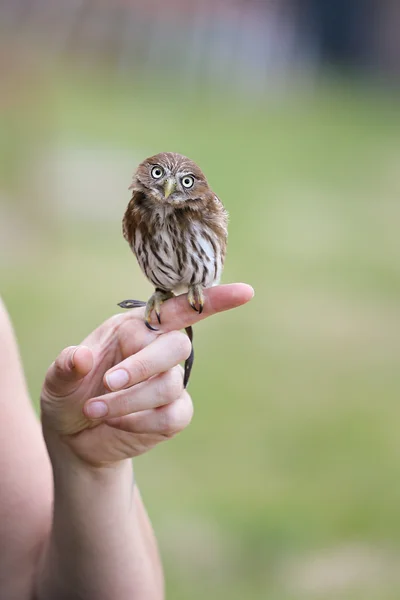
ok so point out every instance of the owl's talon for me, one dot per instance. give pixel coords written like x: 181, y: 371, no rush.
x: 196, y: 298
x: 150, y: 326
x: 154, y: 303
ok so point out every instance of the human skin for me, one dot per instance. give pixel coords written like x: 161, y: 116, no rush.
x: 97, y: 541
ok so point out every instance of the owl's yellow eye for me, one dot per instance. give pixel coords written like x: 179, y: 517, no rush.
x: 157, y: 172
x: 187, y: 181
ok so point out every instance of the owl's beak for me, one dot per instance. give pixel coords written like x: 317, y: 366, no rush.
x: 169, y: 187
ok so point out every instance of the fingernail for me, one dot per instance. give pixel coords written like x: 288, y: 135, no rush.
x: 72, y: 359
x: 116, y: 380
x: 95, y: 410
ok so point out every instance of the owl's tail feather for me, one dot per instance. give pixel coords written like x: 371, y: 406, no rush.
x: 190, y: 360
x: 132, y: 304
x: 189, y: 330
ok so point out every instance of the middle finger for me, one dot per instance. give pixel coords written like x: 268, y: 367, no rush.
x: 156, y: 391
x: 160, y: 355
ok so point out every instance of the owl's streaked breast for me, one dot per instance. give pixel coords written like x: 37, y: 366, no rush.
x: 174, y: 258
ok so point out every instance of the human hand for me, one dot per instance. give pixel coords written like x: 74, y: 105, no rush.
x: 134, y: 375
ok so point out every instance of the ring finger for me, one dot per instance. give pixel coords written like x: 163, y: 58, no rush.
x: 165, y: 420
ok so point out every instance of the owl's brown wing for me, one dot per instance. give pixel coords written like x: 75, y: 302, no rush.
x: 132, y: 217
x: 128, y: 224
x: 137, y: 216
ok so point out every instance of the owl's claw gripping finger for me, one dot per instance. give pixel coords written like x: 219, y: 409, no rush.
x: 150, y: 326
x: 154, y: 303
x: 196, y: 298
x: 147, y: 315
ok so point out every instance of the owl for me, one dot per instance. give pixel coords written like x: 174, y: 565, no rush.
x: 177, y: 228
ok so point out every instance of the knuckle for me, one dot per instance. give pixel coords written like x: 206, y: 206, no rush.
x: 116, y: 319
x: 181, y: 343
x: 176, y: 416
x: 63, y: 362
x: 168, y: 425
x: 171, y: 385
x: 124, y: 405
x: 170, y: 421
x: 141, y: 369
x: 121, y: 403
x: 187, y: 411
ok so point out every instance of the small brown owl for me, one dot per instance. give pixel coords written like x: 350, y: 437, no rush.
x: 177, y: 228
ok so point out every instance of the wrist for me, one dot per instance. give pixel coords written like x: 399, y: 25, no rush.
x: 64, y: 459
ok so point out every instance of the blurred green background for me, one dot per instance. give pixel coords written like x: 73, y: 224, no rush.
x: 286, y: 484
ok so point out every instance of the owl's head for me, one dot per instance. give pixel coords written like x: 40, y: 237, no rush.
x: 170, y: 178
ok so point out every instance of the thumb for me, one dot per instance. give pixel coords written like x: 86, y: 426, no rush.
x: 68, y: 370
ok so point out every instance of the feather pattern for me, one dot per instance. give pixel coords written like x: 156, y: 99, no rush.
x: 179, y: 241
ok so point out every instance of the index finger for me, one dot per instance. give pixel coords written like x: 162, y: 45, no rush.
x: 177, y: 313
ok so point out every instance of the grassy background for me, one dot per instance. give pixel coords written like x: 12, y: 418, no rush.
x: 286, y: 485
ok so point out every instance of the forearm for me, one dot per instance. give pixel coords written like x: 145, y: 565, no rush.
x: 101, y: 545
x: 25, y: 476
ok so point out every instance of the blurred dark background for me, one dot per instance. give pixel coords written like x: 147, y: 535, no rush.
x: 285, y: 486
